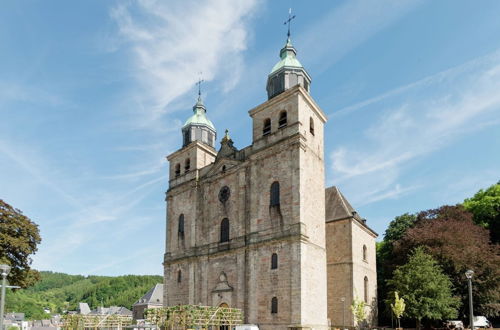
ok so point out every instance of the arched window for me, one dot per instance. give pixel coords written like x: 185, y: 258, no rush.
x: 274, y: 305
x: 187, y: 165
x: 311, y: 126
x: 267, y: 126
x: 177, y: 170
x: 364, y: 253
x: 179, y: 276
x: 283, y: 120
x: 180, y: 227
x: 275, y: 194
x: 274, y: 261
x: 224, y: 230
x: 366, y: 289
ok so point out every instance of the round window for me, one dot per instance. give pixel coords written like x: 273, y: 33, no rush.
x: 224, y: 194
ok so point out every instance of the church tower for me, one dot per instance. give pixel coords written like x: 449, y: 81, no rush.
x: 246, y: 227
x: 198, y: 136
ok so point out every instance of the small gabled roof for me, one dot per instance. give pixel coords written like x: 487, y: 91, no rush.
x: 337, y: 207
x: 153, y: 296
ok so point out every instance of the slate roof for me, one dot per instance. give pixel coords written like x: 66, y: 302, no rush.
x: 112, y: 310
x: 153, y: 296
x: 337, y: 207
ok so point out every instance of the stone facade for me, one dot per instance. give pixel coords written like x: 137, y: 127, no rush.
x: 253, y: 228
x: 351, y: 262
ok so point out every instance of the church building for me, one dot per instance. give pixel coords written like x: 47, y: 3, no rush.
x: 255, y: 228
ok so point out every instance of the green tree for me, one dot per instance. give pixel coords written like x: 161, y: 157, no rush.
x: 397, y: 228
x: 19, y: 237
x: 398, y: 307
x: 425, y: 289
x: 358, y: 308
x: 385, y: 259
x: 485, y: 206
x: 451, y: 237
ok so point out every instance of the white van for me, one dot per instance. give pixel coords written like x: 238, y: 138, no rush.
x: 481, y: 322
x: 246, y: 327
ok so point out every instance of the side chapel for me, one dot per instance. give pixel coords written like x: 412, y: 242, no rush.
x: 255, y: 228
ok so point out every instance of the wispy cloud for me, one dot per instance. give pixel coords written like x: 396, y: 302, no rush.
x: 172, y: 42
x: 416, y: 120
x: 348, y: 26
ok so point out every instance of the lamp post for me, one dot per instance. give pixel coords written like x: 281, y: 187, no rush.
x: 343, y: 311
x: 4, y: 269
x: 469, y: 275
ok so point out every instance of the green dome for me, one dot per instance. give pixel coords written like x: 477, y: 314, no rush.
x: 199, y: 117
x: 288, y: 58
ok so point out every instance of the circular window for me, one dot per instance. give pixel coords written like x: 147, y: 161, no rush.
x: 224, y: 194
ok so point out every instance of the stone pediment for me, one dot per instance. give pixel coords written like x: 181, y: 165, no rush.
x: 223, y: 285
x: 222, y: 165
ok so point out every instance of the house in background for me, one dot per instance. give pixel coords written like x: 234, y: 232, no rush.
x: 152, y: 299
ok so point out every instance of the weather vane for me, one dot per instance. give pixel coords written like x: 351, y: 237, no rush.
x: 290, y: 17
x: 199, y: 83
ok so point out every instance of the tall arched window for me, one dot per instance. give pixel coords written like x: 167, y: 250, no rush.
x: 224, y: 230
x: 187, y: 165
x: 364, y: 253
x: 177, y: 170
x: 311, y: 126
x: 180, y: 227
x: 283, y: 120
x: 274, y: 261
x: 366, y: 289
x: 274, y: 305
x: 275, y: 194
x: 179, y: 276
x: 267, y: 126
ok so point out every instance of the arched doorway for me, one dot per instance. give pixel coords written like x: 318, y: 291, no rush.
x: 224, y: 327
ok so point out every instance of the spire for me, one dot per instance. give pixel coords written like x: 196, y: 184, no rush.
x: 198, y: 126
x: 288, y: 72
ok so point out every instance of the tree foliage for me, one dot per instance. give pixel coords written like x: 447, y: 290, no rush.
x: 485, y: 206
x: 457, y: 237
x: 398, y: 307
x: 426, y: 290
x: 358, y: 308
x: 19, y: 237
x: 398, y: 227
x: 61, y: 292
x: 452, y: 238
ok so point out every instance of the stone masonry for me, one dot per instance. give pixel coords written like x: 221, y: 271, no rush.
x: 254, y: 228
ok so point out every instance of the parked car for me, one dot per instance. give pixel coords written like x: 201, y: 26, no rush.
x: 481, y: 322
x: 454, y: 324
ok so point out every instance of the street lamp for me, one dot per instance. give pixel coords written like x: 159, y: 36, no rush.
x: 469, y: 275
x: 343, y: 311
x: 4, y: 269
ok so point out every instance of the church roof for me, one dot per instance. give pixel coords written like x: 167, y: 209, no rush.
x: 288, y: 58
x: 338, y: 208
x: 199, y: 117
x: 153, y: 296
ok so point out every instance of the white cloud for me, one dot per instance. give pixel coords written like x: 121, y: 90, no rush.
x: 173, y: 41
x: 416, y: 120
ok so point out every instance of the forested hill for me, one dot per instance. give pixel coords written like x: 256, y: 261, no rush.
x: 60, y: 292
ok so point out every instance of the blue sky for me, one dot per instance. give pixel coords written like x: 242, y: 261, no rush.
x: 93, y: 95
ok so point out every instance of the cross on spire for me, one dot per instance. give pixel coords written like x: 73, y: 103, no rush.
x: 290, y: 17
x: 199, y: 84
